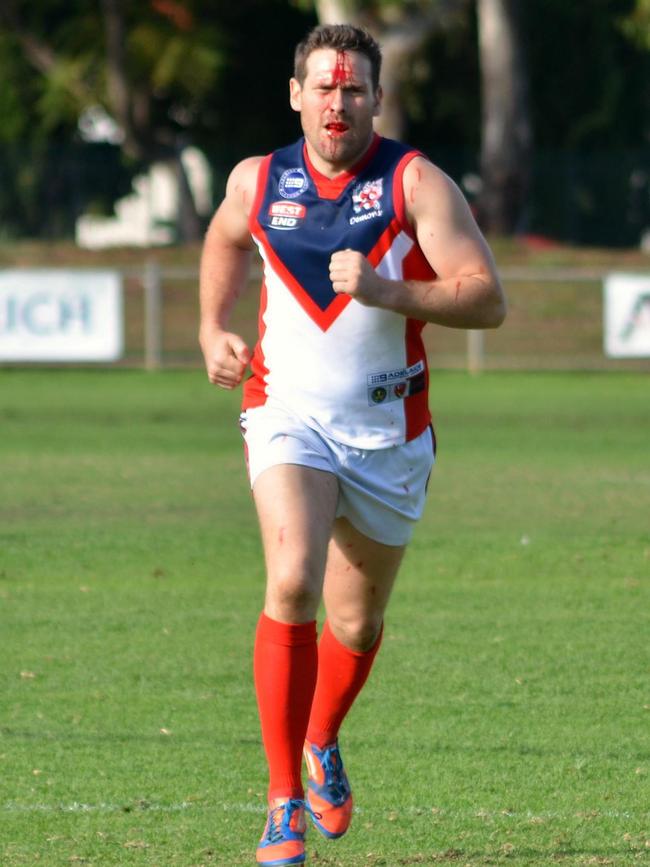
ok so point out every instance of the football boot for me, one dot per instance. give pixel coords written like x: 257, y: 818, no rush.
x: 283, y: 840
x: 329, y: 798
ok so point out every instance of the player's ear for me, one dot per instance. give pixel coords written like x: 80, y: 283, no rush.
x: 379, y: 95
x: 295, y: 94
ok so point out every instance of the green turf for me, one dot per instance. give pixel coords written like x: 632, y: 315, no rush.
x: 507, y: 720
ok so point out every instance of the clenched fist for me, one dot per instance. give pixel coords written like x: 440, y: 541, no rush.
x: 352, y: 274
x: 226, y: 357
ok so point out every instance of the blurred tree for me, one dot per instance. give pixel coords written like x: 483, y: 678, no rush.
x: 506, y: 139
x: 589, y: 74
x: 169, y: 73
x: 46, y: 171
x: 215, y: 75
x: 148, y: 64
x: 636, y: 24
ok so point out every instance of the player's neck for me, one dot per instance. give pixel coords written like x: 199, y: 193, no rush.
x: 332, y: 170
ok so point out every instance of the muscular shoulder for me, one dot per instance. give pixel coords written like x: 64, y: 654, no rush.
x: 240, y: 189
x: 230, y: 222
x: 444, y: 225
x: 427, y: 189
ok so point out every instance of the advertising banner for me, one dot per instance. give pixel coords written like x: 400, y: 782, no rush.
x: 627, y: 315
x: 61, y: 315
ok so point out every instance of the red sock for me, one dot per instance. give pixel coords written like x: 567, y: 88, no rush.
x: 341, y: 675
x: 285, y: 664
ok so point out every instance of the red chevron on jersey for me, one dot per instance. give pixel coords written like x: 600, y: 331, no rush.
x: 319, y: 352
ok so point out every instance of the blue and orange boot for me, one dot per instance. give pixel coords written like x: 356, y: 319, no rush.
x: 283, y: 840
x: 329, y: 798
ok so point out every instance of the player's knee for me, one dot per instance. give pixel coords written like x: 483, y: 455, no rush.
x: 293, y: 595
x: 358, y: 633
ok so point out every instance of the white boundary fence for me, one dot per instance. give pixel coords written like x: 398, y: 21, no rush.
x: 475, y: 348
x: 615, y: 301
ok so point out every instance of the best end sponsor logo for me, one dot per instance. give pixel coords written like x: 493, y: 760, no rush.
x: 286, y: 215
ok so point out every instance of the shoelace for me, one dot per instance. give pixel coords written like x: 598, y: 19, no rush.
x: 276, y: 825
x: 330, y: 759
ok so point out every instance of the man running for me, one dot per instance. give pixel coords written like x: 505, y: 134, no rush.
x: 363, y: 241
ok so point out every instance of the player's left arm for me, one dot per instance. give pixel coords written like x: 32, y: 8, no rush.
x: 466, y: 292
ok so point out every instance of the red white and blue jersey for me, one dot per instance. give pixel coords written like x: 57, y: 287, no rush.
x: 356, y: 373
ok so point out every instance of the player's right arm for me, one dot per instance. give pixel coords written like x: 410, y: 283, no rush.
x: 225, y: 262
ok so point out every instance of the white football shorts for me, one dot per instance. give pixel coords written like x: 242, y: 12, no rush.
x: 381, y: 491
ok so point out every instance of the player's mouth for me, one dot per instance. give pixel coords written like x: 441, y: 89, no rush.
x: 336, y: 128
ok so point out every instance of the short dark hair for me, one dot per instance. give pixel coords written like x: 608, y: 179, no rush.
x: 341, y: 37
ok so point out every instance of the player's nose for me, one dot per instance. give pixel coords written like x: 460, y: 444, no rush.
x: 338, y: 101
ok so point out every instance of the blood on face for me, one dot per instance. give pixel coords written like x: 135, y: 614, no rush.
x: 342, y: 72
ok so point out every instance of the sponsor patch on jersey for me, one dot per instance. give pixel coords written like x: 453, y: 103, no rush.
x: 293, y: 183
x: 397, y: 384
x: 286, y: 215
x: 366, y: 201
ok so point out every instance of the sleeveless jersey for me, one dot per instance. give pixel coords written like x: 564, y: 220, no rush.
x: 358, y: 374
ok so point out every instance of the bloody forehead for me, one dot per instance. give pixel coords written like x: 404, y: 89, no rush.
x: 342, y: 72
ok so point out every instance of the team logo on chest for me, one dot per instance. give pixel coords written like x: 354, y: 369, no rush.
x: 286, y: 215
x: 293, y: 183
x: 366, y: 201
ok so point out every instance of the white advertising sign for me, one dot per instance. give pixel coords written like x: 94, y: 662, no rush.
x: 627, y: 315
x: 61, y: 315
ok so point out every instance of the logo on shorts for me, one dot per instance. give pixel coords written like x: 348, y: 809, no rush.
x: 293, y: 183
x: 286, y: 215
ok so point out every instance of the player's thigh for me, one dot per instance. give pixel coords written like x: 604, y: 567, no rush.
x: 359, y: 578
x: 296, y: 506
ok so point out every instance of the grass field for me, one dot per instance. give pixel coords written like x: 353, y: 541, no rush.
x: 507, y: 720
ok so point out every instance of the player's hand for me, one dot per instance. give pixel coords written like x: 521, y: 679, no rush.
x: 352, y: 274
x: 226, y: 358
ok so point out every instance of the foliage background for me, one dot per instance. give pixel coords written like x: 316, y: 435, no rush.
x: 220, y: 82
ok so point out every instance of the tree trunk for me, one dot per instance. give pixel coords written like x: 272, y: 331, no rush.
x: 392, y: 120
x: 189, y: 226
x: 398, y: 45
x: 506, y: 142
x: 335, y: 11
x: 131, y: 107
x: 118, y: 91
